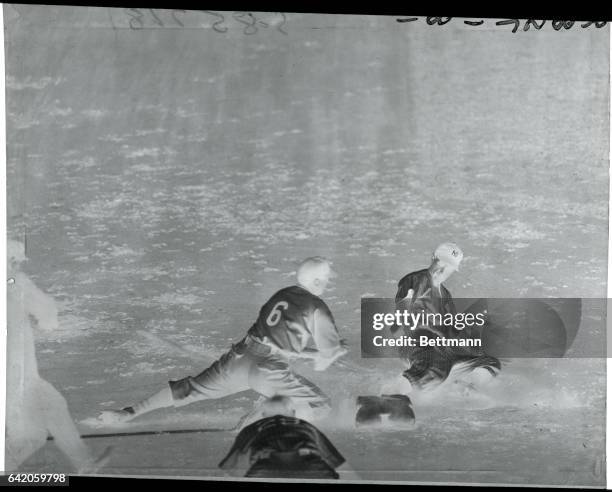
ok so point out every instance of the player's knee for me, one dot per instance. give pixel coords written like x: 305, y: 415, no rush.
x: 183, y: 392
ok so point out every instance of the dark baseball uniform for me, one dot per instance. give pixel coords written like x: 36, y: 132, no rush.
x: 294, y: 320
x: 426, y: 298
x: 291, y: 322
x: 435, y: 362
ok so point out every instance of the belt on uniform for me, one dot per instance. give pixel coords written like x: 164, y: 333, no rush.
x: 253, y: 345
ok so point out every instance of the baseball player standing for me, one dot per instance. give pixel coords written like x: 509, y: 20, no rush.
x: 294, y: 323
x: 35, y: 409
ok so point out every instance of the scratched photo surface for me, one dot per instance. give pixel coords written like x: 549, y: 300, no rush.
x: 169, y: 169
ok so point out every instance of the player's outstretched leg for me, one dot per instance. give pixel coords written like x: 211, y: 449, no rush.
x: 161, y: 399
x: 26, y: 431
x: 273, y: 376
x: 226, y: 376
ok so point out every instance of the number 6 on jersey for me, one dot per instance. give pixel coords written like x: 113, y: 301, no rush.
x: 276, y: 313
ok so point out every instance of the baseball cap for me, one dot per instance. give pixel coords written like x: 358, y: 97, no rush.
x: 449, y: 254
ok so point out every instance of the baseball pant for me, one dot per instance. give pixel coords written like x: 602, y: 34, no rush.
x: 240, y: 370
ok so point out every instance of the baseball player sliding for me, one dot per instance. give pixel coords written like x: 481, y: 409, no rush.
x: 294, y: 323
x: 424, y: 291
x: 428, y: 366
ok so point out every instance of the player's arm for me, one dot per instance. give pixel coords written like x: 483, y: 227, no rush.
x: 405, y: 293
x: 322, y: 362
x: 450, y: 303
x: 434, y: 329
x: 411, y: 289
x: 404, y: 298
x: 330, y: 347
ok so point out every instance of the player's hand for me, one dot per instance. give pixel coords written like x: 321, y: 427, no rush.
x: 409, y: 295
x: 322, y: 363
x: 341, y: 351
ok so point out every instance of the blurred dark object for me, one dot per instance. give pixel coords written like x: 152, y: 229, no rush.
x: 398, y: 408
x: 283, y: 446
